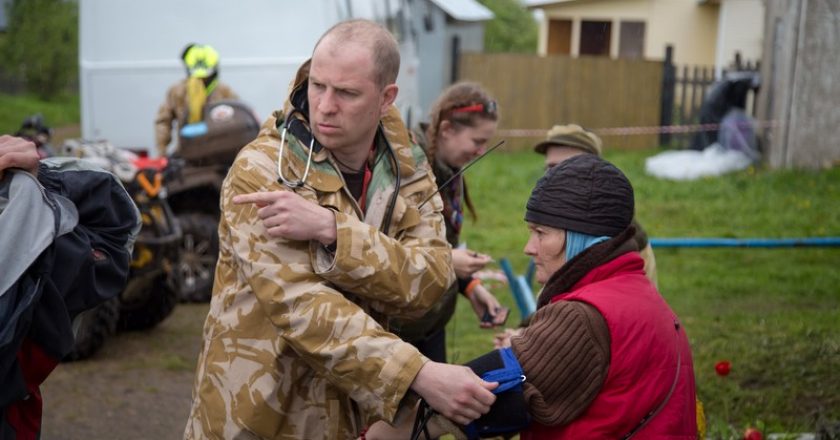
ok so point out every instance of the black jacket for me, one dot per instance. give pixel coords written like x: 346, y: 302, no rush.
x: 70, y: 251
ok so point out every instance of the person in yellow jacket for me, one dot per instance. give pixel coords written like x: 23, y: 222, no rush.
x: 185, y: 100
x: 330, y: 224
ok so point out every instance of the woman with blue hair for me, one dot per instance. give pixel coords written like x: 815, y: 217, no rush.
x: 604, y: 356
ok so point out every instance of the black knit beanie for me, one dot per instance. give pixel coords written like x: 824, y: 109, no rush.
x: 584, y: 194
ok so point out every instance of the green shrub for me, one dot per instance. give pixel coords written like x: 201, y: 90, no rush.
x: 512, y: 30
x: 59, y: 112
x: 41, y: 44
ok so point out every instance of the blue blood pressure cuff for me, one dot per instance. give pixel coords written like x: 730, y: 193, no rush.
x: 509, y: 414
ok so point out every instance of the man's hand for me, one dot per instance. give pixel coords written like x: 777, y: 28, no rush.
x: 454, y: 391
x: 16, y: 152
x: 482, y: 302
x: 467, y: 262
x: 288, y: 215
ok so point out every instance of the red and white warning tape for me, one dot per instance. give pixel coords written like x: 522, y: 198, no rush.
x: 624, y: 131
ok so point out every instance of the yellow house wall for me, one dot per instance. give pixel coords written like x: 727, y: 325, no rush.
x: 741, y: 29
x: 613, y: 11
x: 690, y: 27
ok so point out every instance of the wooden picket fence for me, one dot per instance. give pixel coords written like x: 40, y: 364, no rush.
x: 536, y: 92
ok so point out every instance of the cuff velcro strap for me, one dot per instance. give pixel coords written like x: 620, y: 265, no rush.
x: 509, y: 376
x: 509, y: 413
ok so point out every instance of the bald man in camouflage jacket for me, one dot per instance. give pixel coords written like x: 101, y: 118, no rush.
x: 293, y: 345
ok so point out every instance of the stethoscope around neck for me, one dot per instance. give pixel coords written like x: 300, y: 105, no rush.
x: 291, y: 183
x: 386, y: 222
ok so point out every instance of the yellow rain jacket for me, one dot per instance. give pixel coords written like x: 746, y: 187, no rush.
x: 176, y: 107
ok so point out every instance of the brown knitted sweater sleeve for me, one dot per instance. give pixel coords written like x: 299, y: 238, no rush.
x: 565, y: 354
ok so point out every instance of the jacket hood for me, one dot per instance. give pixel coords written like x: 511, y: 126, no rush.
x: 323, y: 176
x: 30, y: 220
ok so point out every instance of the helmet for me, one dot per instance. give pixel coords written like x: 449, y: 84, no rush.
x: 201, y: 60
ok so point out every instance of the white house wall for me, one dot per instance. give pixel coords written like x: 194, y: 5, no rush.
x: 435, y: 50
x: 129, y: 54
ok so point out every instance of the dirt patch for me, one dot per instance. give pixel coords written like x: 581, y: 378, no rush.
x: 138, y: 386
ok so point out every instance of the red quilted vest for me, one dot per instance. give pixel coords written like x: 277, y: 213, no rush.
x: 644, y: 343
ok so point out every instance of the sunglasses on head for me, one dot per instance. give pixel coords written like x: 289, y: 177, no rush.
x: 488, y: 108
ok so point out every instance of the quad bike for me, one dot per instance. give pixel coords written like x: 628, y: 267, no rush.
x: 150, y: 294
x: 34, y: 129
x: 205, y: 152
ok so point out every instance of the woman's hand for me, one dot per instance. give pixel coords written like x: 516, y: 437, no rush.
x: 502, y: 340
x: 482, y: 302
x: 467, y: 262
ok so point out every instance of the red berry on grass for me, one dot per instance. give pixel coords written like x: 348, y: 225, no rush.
x: 722, y: 368
x: 752, y: 434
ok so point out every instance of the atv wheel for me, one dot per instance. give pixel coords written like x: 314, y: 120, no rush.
x: 196, y: 266
x: 146, y: 301
x: 92, y: 327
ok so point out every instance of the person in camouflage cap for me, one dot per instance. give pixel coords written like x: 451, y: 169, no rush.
x: 293, y: 346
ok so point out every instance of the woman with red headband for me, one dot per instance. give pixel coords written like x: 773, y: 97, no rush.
x: 462, y: 122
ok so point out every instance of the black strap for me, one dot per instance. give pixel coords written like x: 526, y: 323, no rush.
x: 421, y: 421
x: 646, y: 419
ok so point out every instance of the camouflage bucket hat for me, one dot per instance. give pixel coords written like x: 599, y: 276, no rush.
x: 571, y: 135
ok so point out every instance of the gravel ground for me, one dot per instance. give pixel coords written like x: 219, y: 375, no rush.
x: 137, y: 387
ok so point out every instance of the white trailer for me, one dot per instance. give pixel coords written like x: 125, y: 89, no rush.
x: 130, y: 54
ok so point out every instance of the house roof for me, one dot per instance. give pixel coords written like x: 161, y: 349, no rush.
x: 465, y: 10
x: 533, y: 4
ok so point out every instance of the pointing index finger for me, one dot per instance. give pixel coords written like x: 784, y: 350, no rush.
x: 260, y: 198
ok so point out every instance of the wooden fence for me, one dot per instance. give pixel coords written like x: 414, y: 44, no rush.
x: 537, y: 92
x: 684, y: 91
x: 11, y: 83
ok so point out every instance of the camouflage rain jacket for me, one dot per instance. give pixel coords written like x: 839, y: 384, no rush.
x: 293, y: 348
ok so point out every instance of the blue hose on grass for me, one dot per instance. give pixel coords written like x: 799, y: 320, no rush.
x: 520, y: 285
x: 745, y: 242
x: 520, y: 288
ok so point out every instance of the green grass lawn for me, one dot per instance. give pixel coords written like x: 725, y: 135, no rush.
x: 57, y: 113
x: 774, y: 313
